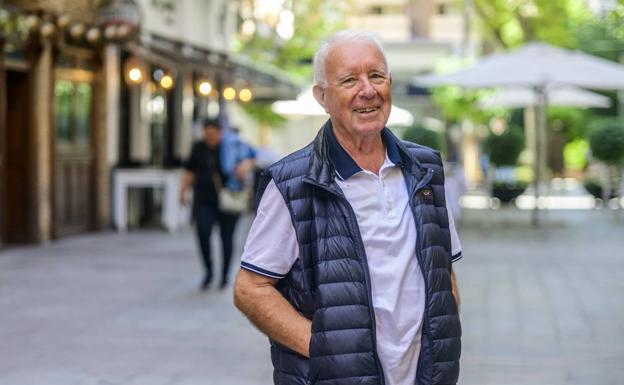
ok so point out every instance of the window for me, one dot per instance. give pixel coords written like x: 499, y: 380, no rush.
x: 73, y: 112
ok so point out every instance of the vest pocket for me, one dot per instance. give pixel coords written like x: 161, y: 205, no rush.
x: 313, y: 368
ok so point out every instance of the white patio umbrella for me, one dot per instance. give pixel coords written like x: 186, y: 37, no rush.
x: 517, y: 97
x: 306, y: 105
x: 537, y: 66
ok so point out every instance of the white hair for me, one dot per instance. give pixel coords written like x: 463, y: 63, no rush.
x: 348, y: 35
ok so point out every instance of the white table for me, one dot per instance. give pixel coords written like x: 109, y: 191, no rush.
x: 174, y: 215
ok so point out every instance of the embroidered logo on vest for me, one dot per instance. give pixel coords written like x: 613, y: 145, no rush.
x: 427, y: 195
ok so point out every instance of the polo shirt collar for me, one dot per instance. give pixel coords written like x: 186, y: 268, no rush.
x: 345, y: 165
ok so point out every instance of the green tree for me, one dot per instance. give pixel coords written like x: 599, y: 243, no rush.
x: 509, y: 23
x: 574, y: 122
x: 604, y: 36
x: 314, y: 20
x: 457, y: 104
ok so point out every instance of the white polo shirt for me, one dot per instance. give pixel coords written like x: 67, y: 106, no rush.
x: 388, y: 231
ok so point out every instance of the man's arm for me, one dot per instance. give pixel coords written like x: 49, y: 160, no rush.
x: 244, y: 168
x: 454, y: 287
x: 187, y: 182
x: 256, y: 296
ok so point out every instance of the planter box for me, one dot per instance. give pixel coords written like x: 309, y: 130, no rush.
x: 506, y: 192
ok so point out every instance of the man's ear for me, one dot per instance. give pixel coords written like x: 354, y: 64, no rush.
x: 390, y: 78
x: 319, y: 94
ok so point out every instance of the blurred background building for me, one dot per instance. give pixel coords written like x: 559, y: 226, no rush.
x: 417, y: 35
x: 99, y: 99
x: 90, y: 87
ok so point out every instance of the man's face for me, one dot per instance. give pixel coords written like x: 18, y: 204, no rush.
x: 212, y: 136
x: 357, y: 96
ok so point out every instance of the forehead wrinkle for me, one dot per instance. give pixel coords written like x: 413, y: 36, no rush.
x: 377, y: 59
x: 364, y: 68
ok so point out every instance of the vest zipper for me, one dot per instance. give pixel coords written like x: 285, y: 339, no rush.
x: 360, y: 246
x: 422, y: 183
x: 369, y: 287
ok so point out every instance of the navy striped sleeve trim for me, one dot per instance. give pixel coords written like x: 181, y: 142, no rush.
x: 257, y: 270
x: 456, y: 257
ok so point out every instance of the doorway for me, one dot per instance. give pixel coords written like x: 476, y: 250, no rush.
x: 73, y: 155
x: 18, y: 222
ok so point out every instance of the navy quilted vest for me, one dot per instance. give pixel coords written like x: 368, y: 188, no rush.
x: 330, y: 282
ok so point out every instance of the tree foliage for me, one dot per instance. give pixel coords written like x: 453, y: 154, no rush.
x: 314, y: 20
x: 573, y: 122
x: 604, y: 36
x: 457, y: 104
x: 262, y: 113
x: 509, y: 23
x: 568, y: 23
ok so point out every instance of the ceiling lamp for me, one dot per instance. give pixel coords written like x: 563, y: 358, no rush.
x: 166, y: 82
x: 245, y: 95
x: 229, y: 93
x: 204, y: 87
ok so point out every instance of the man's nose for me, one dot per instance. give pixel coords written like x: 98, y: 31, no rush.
x: 367, y: 90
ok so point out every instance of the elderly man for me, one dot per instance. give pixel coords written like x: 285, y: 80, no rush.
x: 347, y: 267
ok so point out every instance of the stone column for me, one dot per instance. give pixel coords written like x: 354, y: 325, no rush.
x: 105, y: 133
x: 140, y: 138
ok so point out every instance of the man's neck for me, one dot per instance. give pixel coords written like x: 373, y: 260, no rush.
x: 368, y: 152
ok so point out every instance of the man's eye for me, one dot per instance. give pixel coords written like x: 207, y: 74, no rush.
x: 348, y: 81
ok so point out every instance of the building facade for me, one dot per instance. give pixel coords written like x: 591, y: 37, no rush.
x: 88, y: 87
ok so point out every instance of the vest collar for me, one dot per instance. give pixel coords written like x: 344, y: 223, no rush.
x: 345, y: 166
x: 329, y: 158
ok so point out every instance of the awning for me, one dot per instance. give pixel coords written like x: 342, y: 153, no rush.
x: 265, y: 81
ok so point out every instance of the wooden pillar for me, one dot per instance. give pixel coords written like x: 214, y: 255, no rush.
x: 183, y: 116
x: 101, y: 193
x: 42, y: 143
x: 2, y: 141
x: 105, y: 134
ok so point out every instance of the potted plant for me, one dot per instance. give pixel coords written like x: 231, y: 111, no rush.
x: 504, y: 149
x: 423, y: 136
x: 594, y: 187
x: 606, y: 141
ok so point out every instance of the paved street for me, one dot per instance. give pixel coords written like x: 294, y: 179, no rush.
x: 540, y: 306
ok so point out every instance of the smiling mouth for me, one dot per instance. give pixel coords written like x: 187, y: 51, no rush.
x: 366, y: 110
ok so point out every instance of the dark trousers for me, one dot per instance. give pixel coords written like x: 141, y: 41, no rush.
x: 206, y: 214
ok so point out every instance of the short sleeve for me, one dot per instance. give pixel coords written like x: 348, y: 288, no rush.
x: 271, y: 248
x: 456, y: 252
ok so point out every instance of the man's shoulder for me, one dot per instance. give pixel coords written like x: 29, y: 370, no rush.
x: 296, y: 162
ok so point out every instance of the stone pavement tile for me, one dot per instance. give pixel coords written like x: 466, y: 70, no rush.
x: 542, y: 306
